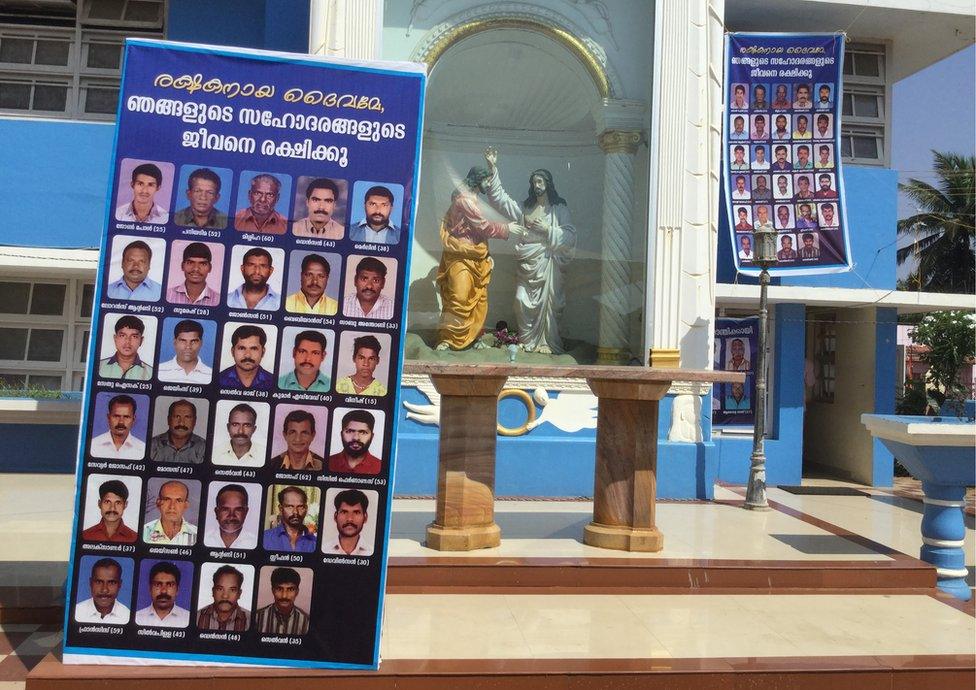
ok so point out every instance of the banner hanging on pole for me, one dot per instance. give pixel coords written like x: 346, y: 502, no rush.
x: 781, y: 150
x: 736, y: 348
x: 236, y: 450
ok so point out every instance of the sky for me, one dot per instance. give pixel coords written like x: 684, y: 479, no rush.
x: 932, y: 109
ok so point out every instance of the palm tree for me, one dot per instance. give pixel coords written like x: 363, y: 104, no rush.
x: 943, y: 229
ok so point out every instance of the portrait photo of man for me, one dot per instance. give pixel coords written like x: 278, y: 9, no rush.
x: 745, y: 248
x: 738, y: 132
x: 825, y: 157
x: 379, y: 207
x: 110, y: 507
x: 825, y: 188
x: 186, y: 365
x: 763, y: 221
x: 828, y: 217
x: 736, y: 398
x: 173, y: 500
x: 298, y: 431
x: 351, y: 533
x: 760, y: 188
x: 801, y: 97
x: 284, y: 615
x: 740, y: 192
x: 759, y: 159
x: 784, y: 187
x: 824, y: 128
x: 782, y: 162
x: 365, y: 298
x: 121, y: 440
x: 125, y: 334
x: 784, y: 217
x: 782, y: 98
x: 179, y: 443
x: 134, y: 258
x: 739, y: 101
x: 163, y: 589
x: 260, y: 288
x: 781, y: 129
x: 825, y: 100
x: 803, y: 191
x: 138, y: 199
x: 310, y: 287
x: 801, y: 158
x: 805, y: 219
x: 310, y: 352
x: 203, y: 194
x: 357, y: 432
x: 759, y: 100
x: 810, y: 248
x: 197, y: 279
x: 228, y: 597
x: 293, y: 527
x: 231, y: 524
x: 366, y: 358
x: 240, y: 442
x: 744, y: 223
x: 248, y: 351
x: 739, y: 161
x: 786, y: 251
x: 736, y: 359
x: 322, y: 196
x: 801, y: 127
x: 759, y: 129
x: 109, y: 581
x: 257, y: 212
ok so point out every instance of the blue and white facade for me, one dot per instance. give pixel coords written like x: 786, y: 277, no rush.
x: 622, y: 102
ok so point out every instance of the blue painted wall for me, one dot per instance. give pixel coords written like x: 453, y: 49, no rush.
x: 40, y: 448
x: 872, y: 209
x: 784, y: 441
x: 268, y: 24
x: 886, y: 326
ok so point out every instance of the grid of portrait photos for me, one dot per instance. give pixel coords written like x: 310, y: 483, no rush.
x: 781, y: 167
x: 236, y: 463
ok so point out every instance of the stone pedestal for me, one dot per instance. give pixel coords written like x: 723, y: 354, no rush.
x: 465, y: 517
x: 625, y: 481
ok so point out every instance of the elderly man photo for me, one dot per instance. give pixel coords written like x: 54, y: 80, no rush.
x: 225, y: 613
x: 196, y: 266
x: 368, y: 301
x: 113, y: 499
x: 118, y: 442
x: 260, y: 215
x: 186, y: 367
x: 227, y: 530
x: 738, y: 361
x: 203, y: 193
x: 321, y: 195
x: 104, y: 581
x: 179, y: 443
x: 365, y: 358
x: 378, y: 203
x: 291, y: 533
x: 135, y: 283
x: 164, y: 588
x: 247, y: 347
x: 146, y: 180
x: 126, y: 363
x: 283, y: 616
x: 298, y: 430
x: 170, y: 528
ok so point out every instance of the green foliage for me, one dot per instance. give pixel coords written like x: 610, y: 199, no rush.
x: 951, y: 339
x: 943, y: 229
x: 914, y: 400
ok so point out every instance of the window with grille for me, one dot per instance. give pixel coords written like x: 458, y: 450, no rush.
x: 53, y: 65
x: 864, y: 106
x: 825, y: 344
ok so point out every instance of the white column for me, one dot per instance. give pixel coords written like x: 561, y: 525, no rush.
x: 346, y: 28
x: 683, y: 195
x: 622, y: 131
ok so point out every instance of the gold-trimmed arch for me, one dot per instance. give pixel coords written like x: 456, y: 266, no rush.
x: 577, y: 47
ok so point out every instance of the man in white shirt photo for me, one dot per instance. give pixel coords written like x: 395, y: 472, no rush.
x: 350, y: 516
x: 186, y: 367
x: 103, y: 607
x: 227, y: 531
x: 164, y: 587
x: 118, y: 442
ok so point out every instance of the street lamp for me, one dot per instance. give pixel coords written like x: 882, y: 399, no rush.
x: 764, y: 256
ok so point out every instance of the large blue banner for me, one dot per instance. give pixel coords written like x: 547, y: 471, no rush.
x: 781, y: 150
x: 237, y: 445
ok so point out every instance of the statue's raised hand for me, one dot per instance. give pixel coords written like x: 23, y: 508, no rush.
x: 491, y: 157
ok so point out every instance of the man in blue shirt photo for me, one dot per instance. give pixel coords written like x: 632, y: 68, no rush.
x: 291, y: 534
x: 376, y: 226
x: 254, y: 292
x: 247, y: 348
x: 135, y: 283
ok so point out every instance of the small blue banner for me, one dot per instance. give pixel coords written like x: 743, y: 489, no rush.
x: 736, y: 347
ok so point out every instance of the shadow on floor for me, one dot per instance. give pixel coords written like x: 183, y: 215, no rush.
x: 823, y: 544
x: 514, y: 525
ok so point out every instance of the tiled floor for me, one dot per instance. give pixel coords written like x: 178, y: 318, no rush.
x: 34, y: 547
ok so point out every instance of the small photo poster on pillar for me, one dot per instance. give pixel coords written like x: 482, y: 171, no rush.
x: 781, y: 151
x: 238, y: 434
x: 735, y: 349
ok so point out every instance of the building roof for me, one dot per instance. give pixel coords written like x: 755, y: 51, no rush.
x: 32, y: 262
x: 729, y: 295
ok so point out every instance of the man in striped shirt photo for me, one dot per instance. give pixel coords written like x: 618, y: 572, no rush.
x: 283, y: 616
x: 225, y: 613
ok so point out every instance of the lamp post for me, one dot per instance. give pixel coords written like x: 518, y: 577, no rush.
x: 764, y: 251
